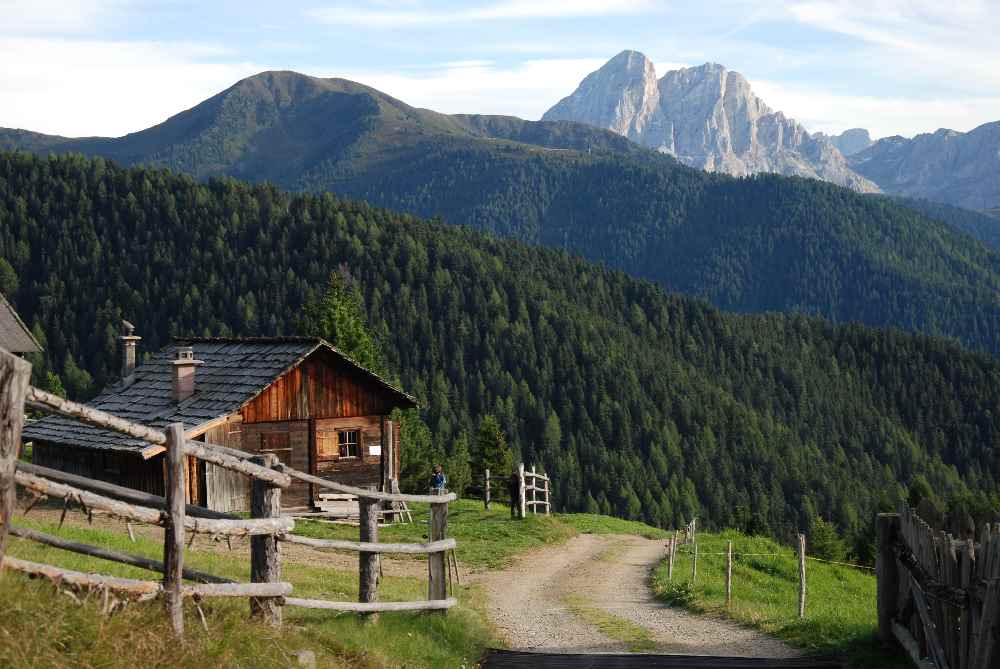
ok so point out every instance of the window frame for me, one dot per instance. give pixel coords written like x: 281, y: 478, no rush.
x: 356, y: 443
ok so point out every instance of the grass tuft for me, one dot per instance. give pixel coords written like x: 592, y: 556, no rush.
x: 637, y: 639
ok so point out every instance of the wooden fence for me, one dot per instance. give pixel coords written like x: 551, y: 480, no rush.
x: 537, y: 486
x: 267, y: 592
x: 939, y: 596
x: 533, y: 491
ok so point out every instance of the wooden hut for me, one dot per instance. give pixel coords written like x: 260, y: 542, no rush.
x: 15, y: 336
x: 296, y: 397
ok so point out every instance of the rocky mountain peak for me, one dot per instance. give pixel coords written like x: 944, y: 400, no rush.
x: 706, y: 116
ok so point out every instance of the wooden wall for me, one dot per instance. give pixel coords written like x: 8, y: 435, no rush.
x: 225, y: 490
x: 364, y: 471
x: 290, y: 441
x: 323, y: 386
x: 125, y: 469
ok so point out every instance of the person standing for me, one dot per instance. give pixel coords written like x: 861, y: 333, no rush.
x: 438, y: 480
x: 514, y: 488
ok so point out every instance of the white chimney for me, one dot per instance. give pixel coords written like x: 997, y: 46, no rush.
x: 129, y: 343
x: 184, y: 370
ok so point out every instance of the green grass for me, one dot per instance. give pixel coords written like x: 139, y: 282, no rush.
x: 486, y: 539
x: 78, y: 636
x: 591, y: 523
x: 637, y: 639
x: 840, y: 604
x: 46, y: 629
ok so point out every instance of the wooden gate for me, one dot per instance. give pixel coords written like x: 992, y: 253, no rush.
x: 939, y: 597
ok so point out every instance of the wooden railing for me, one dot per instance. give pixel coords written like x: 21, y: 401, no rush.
x: 267, y: 592
x: 939, y: 597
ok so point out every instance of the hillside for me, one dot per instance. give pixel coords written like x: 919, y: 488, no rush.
x: 758, y: 244
x: 640, y: 403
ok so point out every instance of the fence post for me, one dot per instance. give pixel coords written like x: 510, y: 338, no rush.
x: 14, y: 376
x: 486, y: 490
x: 173, y: 537
x: 534, y: 491
x: 437, y: 586
x: 670, y: 557
x: 265, y: 560
x: 802, y: 576
x: 694, y: 560
x: 887, y: 574
x: 729, y: 573
x: 548, y: 501
x: 368, y: 562
x: 522, y: 501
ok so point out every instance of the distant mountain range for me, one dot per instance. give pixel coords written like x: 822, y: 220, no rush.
x: 958, y: 168
x: 765, y: 243
x: 707, y: 117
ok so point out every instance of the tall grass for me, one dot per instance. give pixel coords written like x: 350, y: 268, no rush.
x: 41, y: 628
x: 841, y: 612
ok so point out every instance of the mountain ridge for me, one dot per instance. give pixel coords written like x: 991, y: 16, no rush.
x: 957, y: 168
x: 707, y: 116
x: 761, y: 243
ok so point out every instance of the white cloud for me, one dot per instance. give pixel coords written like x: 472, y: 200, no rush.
x: 53, y: 17
x: 526, y: 90
x: 84, y: 87
x: 951, y: 44
x: 503, y: 10
x: 831, y: 113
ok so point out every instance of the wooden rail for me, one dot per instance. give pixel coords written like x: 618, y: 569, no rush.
x: 939, y: 597
x: 367, y: 547
x: 144, y: 514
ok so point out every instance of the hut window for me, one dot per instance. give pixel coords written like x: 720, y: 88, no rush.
x: 348, y: 442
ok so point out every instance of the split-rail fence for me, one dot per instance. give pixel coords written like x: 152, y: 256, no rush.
x: 939, y: 597
x: 266, y: 527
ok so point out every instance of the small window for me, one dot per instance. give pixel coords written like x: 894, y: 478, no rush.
x: 347, y: 440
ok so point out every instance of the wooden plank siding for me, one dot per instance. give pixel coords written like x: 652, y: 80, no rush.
x: 124, y: 469
x: 322, y: 386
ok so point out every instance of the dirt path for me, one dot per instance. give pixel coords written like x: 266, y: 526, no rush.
x: 528, y: 602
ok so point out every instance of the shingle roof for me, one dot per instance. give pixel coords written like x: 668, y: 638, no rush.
x: 14, y: 334
x: 235, y: 370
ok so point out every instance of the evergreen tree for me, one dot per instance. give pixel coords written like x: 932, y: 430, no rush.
x: 824, y: 542
x: 338, y: 315
x: 491, y: 450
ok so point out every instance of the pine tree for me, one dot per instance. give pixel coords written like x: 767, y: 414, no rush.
x: 338, y: 316
x: 491, y: 450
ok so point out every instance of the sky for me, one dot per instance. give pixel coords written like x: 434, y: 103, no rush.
x: 110, y: 67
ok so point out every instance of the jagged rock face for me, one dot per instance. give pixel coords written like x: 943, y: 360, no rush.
x: 706, y: 117
x: 621, y: 96
x: 850, y: 141
x: 945, y: 166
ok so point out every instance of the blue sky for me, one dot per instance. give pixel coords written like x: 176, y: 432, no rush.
x: 108, y: 67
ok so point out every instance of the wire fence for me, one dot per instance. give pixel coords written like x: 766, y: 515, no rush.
x: 688, y: 545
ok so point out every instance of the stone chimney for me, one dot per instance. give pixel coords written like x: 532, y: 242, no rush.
x: 129, y: 344
x: 184, y: 370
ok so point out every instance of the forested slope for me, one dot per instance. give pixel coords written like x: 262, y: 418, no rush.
x: 640, y: 403
x: 763, y: 243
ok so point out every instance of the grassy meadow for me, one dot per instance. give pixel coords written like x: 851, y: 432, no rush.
x: 840, y: 616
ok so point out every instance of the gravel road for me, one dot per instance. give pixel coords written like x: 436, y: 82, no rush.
x: 611, y: 572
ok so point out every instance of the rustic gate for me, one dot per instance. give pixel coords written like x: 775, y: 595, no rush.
x: 939, y: 597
